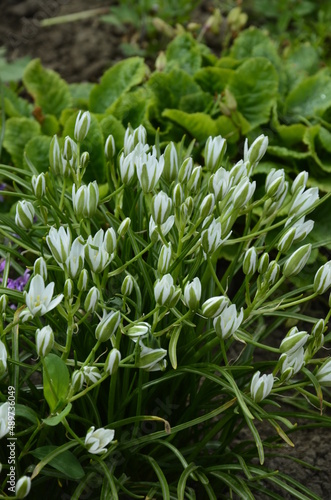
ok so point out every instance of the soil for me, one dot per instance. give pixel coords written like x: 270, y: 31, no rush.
x: 81, y: 51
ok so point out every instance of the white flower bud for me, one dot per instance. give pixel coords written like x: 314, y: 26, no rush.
x: 238, y: 172
x: 138, y: 330
x: 149, y: 171
x: 322, y: 280
x: 285, y: 242
x: 215, y: 149
x: 293, y: 341
x: 24, y: 214
x: 127, y: 285
x: 84, y: 159
x: 69, y: 149
x: 302, y: 201
x: 82, y: 280
x: 68, y: 290
x: 220, y: 183
x: 165, y: 292
x: 151, y: 359
x: 290, y: 364
x: 108, y: 326
x: 124, y: 227
x: 85, y: 200
x: 110, y: 148
x: 55, y: 156
x: 127, y: 167
x: 44, y: 341
x: 3, y: 303
x: 59, y: 242
x: 77, y: 381
x: 91, y: 374
x: 112, y: 361
x: 165, y: 228
x: 193, y: 184
x: 164, y: 259
x: 214, y: 306
x: 185, y: 170
x: 257, y: 150
x: 23, y: 487
x: 82, y: 125
x: 207, y: 206
x: 274, y: 184
x: 323, y: 373
x: 297, y: 261
x: 170, y: 170
x: 242, y: 193
x: 228, y: 322
x: 178, y: 195
x: 211, y: 238
x: 91, y: 300
x: 39, y: 185
x: 272, y: 273
x: 263, y: 263
x: 299, y: 183
x: 192, y: 294
x: 261, y: 386
x: 110, y: 241
x: 250, y: 261
x: 161, y: 207
x: 40, y: 267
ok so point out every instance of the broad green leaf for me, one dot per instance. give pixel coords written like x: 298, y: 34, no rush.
x: 15, y: 105
x: 310, y: 98
x: 55, y: 420
x: 324, y: 137
x: 66, y: 462
x: 213, y: 79
x: 12, y: 71
x: 80, y: 93
x: 227, y: 62
x: 193, y: 103
x: 48, y: 89
x: 309, y: 138
x: 55, y: 380
x: 169, y: 88
x: 115, y: 81
x: 255, y: 86
x: 302, y: 61
x: 228, y: 129
x: 37, y: 152
x: 131, y: 107
x: 111, y: 125
x: 49, y: 125
x: 291, y: 134
x: 322, y: 226
x: 94, y: 144
x: 255, y: 43
x: 287, y: 153
x: 18, y: 132
x: 199, y: 125
x: 184, y: 53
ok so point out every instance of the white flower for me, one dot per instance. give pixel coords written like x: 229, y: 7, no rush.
x: 211, y: 238
x: 59, y: 242
x: 91, y: 374
x: 165, y: 292
x: 165, y: 228
x: 228, y: 322
x: 290, y: 364
x: 257, y: 149
x: 82, y: 125
x: 214, y: 151
x: 261, y: 386
x: 149, y: 171
x: 161, y: 207
x: 4, y: 428
x: 220, y: 183
x: 23, y: 487
x: 192, y: 294
x: 303, y: 201
x: 96, y: 441
x: 39, y: 298
x: 151, y: 359
x: 95, y: 252
x: 85, y: 200
x: 75, y: 260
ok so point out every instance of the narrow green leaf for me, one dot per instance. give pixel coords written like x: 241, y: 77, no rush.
x: 181, y: 486
x: 172, y: 351
x: 60, y: 458
x: 53, y: 421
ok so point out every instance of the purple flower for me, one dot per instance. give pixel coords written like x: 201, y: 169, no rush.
x: 18, y: 283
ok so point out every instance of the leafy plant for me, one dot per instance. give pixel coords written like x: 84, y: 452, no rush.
x: 132, y: 355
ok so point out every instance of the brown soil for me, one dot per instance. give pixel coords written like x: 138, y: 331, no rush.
x: 81, y: 51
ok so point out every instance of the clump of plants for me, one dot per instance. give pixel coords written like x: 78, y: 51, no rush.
x: 158, y: 321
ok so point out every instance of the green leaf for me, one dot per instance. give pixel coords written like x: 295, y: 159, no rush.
x: 184, y: 53
x: 213, y: 79
x: 47, y: 88
x: 49, y: 125
x: 287, y: 153
x: 115, y: 81
x: 12, y: 71
x: 291, y: 134
x: 255, y: 87
x: 94, y: 144
x: 310, y: 98
x: 18, y: 132
x: 131, y: 107
x: 37, y: 152
x: 173, y: 347
x: 15, y: 105
x: 53, y: 421
x: 255, y: 43
x: 80, y: 93
x: 56, y: 380
x: 199, y: 125
x: 26, y: 412
x: 66, y: 462
x: 111, y: 125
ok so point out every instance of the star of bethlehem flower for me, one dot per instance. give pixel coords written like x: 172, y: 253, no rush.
x: 96, y: 441
x: 39, y: 298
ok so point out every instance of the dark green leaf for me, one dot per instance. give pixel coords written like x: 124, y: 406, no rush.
x: 37, y: 152
x: 18, y: 132
x: 55, y: 379
x: 66, y: 462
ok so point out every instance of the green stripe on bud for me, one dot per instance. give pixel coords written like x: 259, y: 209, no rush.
x: 297, y: 261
